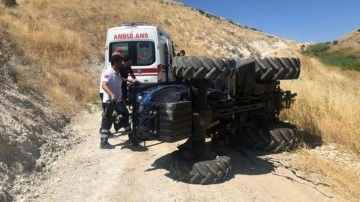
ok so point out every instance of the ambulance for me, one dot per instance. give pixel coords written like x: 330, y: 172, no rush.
x: 149, y: 47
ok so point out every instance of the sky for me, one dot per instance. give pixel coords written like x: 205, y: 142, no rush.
x: 301, y: 20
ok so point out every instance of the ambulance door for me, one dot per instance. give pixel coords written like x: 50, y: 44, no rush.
x: 144, y: 62
x: 164, y: 60
x: 170, y: 59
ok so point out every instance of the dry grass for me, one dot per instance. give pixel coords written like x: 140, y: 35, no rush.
x: 57, y: 55
x: 328, y: 103
x: 327, y: 108
x: 348, y: 44
x: 342, y: 180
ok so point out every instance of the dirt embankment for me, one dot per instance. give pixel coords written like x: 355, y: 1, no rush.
x: 29, y: 130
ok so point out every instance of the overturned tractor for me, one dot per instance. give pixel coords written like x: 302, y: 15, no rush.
x: 230, y: 103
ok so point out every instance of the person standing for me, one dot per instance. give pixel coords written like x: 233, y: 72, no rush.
x: 112, y: 97
x: 101, y: 90
x: 124, y: 72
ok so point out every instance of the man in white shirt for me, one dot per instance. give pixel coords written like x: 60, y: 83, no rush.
x: 101, y: 90
x: 112, y: 99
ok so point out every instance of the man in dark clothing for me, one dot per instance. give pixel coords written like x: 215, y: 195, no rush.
x: 124, y: 72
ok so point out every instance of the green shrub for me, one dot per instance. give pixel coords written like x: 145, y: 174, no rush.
x: 9, y: 3
x: 343, y: 60
x: 316, y: 49
x: 349, y: 62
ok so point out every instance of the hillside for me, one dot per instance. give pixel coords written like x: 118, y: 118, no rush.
x: 343, y: 53
x: 350, y: 40
x: 348, y: 44
x: 51, y: 53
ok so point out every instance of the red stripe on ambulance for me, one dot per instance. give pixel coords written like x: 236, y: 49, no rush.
x: 145, y: 70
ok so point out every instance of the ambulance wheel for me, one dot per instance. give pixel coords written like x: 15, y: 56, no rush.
x: 203, y: 68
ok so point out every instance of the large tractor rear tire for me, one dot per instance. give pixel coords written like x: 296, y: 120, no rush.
x: 203, y: 68
x: 199, y: 172
x: 274, y: 68
x: 276, y: 137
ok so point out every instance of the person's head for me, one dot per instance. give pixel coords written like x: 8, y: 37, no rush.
x: 116, y: 61
x: 178, y: 54
x: 182, y: 53
x: 127, y: 60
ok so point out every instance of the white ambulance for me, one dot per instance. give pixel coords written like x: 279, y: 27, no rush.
x: 149, y: 47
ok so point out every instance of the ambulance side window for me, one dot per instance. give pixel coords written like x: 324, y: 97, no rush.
x: 120, y: 47
x: 145, y: 53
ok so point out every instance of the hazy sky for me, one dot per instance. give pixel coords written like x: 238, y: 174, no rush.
x: 301, y: 20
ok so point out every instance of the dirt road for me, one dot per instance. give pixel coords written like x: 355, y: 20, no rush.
x: 87, y: 173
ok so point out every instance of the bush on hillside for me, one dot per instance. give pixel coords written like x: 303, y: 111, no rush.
x: 316, y: 49
x: 349, y: 62
x: 345, y: 61
x: 9, y: 3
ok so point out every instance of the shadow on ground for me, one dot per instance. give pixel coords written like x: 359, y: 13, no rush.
x: 244, y: 162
